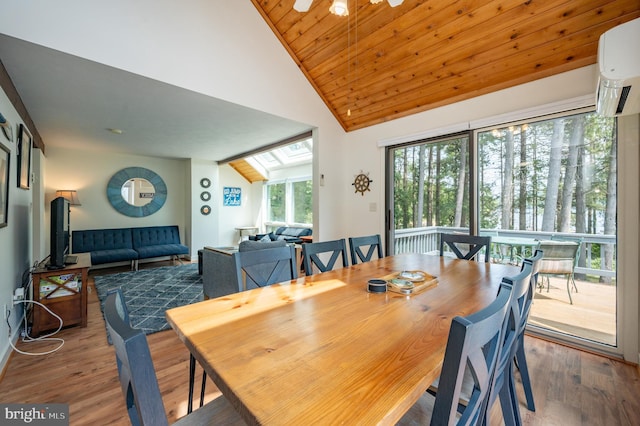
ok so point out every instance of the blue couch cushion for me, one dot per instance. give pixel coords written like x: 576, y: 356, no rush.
x: 156, y: 241
x: 289, y: 234
x: 249, y: 245
x: 105, y: 245
x: 159, y: 250
x: 101, y: 239
x: 155, y: 235
x: 113, y: 255
x: 289, y: 231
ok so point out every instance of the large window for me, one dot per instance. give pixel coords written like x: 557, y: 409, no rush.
x: 431, y: 184
x: 289, y: 202
x: 549, y: 182
x: 276, y: 207
x: 555, y: 175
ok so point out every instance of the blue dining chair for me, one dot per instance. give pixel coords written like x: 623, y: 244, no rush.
x: 473, y: 349
x: 470, y: 245
x: 260, y: 268
x: 138, y: 379
x: 371, y: 243
x: 502, y: 382
x: 520, y: 357
x: 503, y: 385
x: 334, y: 249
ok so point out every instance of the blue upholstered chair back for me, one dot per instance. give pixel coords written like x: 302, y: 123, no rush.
x: 474, y: 344
x: 332, y: 249
x: 466, y: 246
x: 520, y: 356
x: 259, y: 268
x: 371, y: 243
x: 101, y: 239
x: 135, y: 367
x: 502, y: 383
x: 155, y: 235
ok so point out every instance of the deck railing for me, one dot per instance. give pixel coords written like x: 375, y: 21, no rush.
x: 426, y: 240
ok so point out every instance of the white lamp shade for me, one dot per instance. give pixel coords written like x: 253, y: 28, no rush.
x: 69, y: 194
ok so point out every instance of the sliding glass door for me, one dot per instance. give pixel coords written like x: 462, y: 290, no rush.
x: 551, y: 184
x: 548, y: 182
x: 430, y: 191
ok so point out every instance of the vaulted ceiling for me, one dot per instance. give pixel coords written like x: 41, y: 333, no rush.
x: 382, y: 63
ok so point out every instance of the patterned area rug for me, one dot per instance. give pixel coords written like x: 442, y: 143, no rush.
x: 150, y: 292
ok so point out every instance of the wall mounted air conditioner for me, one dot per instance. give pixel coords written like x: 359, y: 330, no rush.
x: 618, y: 91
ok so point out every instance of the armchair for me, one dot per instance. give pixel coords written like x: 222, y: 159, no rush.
x: 560, y: 258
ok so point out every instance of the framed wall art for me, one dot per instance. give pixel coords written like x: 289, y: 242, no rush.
x: 5, y: 158
x: 232, y: 196
x: 24, y: 157
x: 6, y: 128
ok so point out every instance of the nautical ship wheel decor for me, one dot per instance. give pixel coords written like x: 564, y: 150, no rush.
x: 362, y: 182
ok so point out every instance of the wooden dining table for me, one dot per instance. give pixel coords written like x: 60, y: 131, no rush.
x: 323, y: 350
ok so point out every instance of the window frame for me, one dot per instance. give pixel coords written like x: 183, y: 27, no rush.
x: 288, y: 202
x: 627, y: 312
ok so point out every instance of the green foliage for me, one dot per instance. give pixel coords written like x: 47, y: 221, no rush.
x: 532, y: 163
x: 302, y: 201
x: 277, y: 206
x: 442, y: 160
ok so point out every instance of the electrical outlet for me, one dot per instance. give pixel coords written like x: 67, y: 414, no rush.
x: 18, y: 294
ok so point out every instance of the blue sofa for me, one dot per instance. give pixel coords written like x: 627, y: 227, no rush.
x: 128, y: 244
x: 105, y: 245
x: 157, y: 241
x: 289, y: 234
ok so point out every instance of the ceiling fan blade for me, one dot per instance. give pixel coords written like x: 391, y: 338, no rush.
x: 394, y: 3
x: 302, y: 5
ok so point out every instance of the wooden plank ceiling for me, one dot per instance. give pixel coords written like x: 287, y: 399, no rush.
x: 382, y: 63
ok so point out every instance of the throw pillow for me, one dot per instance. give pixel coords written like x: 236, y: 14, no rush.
x: 266, y: 238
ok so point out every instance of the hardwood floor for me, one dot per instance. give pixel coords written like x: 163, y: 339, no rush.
x: 571, y: 387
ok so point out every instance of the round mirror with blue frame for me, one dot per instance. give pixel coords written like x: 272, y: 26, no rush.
x: 157, y: 197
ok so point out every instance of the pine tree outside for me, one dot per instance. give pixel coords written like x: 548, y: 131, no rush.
x: 539, y: 179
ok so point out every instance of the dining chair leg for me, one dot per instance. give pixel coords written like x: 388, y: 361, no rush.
x: 509, y: 401
x: 521, y: 362
x: 192, y: 374
x: 569, y: 289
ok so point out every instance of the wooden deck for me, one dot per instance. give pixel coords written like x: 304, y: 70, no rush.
x: 592, y: 315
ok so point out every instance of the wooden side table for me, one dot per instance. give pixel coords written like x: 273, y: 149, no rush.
x: 307, y: 239
x: 246, y: 231
x: 63, y: 291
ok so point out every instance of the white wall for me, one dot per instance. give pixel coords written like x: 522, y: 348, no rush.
x: 231, y: 217
x: 204, y: 229
x: 89, y: 175
x: 227, y: 41
x: 16, y: 238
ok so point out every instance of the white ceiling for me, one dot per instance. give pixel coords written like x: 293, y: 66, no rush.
x: 73, y: 102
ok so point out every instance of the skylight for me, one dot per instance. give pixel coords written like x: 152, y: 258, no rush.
x: 297, y: 153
